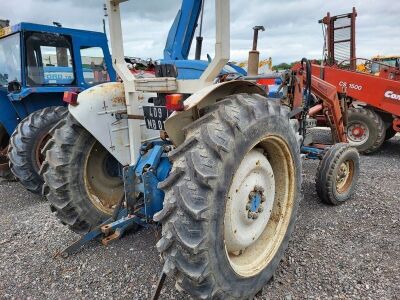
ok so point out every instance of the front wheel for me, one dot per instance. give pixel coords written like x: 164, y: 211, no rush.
x: 337, y: 174
x: 231, y: 198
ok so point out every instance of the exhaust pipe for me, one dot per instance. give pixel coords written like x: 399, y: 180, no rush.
x: 254, y: 54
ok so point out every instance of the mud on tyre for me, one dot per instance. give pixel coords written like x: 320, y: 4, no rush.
x: 82, y: 179
x: 239, y: 165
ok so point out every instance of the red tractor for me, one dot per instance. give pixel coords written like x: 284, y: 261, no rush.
x: 373, y: 98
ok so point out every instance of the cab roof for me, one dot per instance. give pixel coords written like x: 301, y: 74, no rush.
x: 48, y: 29
x: 381, y: 57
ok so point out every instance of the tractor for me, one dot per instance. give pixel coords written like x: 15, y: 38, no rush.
x: 38, y: 63
x: 372, y: 87
x: 212, y: 160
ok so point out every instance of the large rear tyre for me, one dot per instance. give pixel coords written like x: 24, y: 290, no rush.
x: 337, y: 174
x: 231, y: 198
x: 365, y: 129
x: 27, y: 142
x: 82, y: 181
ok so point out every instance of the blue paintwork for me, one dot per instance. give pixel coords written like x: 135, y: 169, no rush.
x: 192, y: 69
x: 312, y: 152
x: 182, y: 31
x: 17, y: 106
x: 179, y: 41
x: 152, y: 168
x: 255, y: 202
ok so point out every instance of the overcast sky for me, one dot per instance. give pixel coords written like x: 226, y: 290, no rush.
x: 292, y: 28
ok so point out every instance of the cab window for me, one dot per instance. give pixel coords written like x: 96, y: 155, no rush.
x: 10, y: 59
x: 93, y: 65
x: 48, y: 60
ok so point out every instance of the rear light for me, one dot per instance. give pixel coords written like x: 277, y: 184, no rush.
x: 71, y: 98
x: 174, y: 102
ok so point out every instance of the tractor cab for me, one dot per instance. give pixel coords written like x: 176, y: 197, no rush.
x: 380, y: 62
x: 38, y: 63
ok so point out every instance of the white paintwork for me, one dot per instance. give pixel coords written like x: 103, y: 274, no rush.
x: 239, y: 231
x: 131, y: 96
x: 96, y: 113
x: 205, y: 97
x: 222, y: 54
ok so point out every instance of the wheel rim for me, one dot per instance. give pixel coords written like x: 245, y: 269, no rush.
x: 101, y: 177
x: 344, y: 176
x: 252, y: 236
x: 357, y: 133
x: 39, y: 157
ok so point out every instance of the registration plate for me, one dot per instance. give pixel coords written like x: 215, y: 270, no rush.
x: 155, y: 116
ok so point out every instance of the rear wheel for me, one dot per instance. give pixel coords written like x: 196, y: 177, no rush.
x: 82, y: 179
x: 231, y: 198
x: 365, y: 130
x: 27, y: 142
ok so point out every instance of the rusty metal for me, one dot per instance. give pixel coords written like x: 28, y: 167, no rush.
x: 39, y: 155
x: 315, y: 109
x: 330, y: 102
x: 344, y: 177
x: 337, y: 47
x: 256, y: 29
x: 124, y: 115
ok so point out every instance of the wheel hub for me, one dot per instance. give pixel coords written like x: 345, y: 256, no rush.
x: 249, y: 207
x: 102, y: 180
x: 255, y: 204
x: 357, y: 133
x: 344, y: 176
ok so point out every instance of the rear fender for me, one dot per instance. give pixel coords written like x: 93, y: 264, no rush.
x: 207, y: 96
x: 96, y: 112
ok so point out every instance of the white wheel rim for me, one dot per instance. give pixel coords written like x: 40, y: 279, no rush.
x: 357, y: 133
x: 268, y: 168
x: 250, y: 202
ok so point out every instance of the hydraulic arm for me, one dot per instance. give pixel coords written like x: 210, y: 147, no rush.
x: 182, y: 31
x: 302, y: 80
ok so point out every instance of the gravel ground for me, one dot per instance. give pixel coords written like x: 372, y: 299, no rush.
x: 346, y: 252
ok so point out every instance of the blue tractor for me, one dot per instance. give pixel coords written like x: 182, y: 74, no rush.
x: 38, y: 64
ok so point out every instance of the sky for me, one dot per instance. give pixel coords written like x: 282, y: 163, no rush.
x: 292, y: 29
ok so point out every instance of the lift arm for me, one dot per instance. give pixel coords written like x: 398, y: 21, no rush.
x: 324, y: 91
x: 331, y: 107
